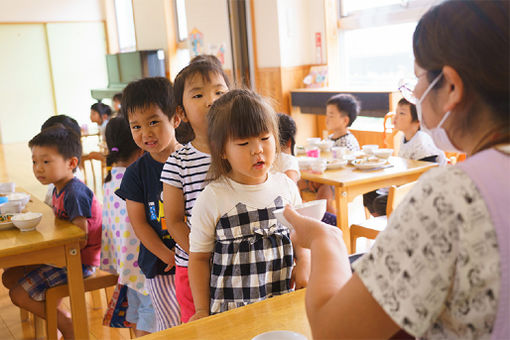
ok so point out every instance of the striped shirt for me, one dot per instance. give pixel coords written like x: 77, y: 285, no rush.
x: 186, y: 169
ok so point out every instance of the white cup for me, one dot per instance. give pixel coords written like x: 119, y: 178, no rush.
x: 338, y: 151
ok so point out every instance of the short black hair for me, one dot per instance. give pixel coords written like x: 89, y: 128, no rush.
x: 119, y: 141
x: 346, y: 103
x: 287, y: 130
x: 67, y: 121
x: 145, y: 92
x: 412, y: 107
x: 65, y: 140
x: 102, y: 109
x: 117, y: 97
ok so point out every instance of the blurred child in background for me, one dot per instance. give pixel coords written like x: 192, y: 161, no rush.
x: 286, y: 162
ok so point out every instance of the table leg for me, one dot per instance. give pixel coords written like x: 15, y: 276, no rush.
x: 342, y: 216
x: 76, y: 291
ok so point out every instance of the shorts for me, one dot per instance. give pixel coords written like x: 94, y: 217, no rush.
x: 140, y: 311
x: 39, y: 280
x: 183, y: 291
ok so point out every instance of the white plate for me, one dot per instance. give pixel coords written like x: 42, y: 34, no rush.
x: 333, y: 164
x: 280, y: 335
x: 364, y: 165
x: 6, y: 225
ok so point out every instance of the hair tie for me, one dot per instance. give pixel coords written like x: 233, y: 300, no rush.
x: 115, y: 149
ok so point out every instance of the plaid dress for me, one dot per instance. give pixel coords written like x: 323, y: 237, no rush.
x: 252, y: 257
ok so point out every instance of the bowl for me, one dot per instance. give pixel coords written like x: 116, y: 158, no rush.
x: 27, y: 221
x: 280, y: 335
x: 326, y: 144
x: 305, y: 163
x: 11, y: 207
x: 369, y: 149
x: 6, y: 187
x: 313, y: 209
x: 333, y: 164
x: 314, y: 141
x: 383, y: 153
x: 20, y: 197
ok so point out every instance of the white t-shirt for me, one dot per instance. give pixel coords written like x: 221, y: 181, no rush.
x: 222, y: 196
x: 285, y: 162
x: 186, y: 169
x: 419, y: 147
x: 435, y: 268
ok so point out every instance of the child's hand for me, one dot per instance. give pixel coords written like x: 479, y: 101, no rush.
x: 170, y: 260
x: 199, y: 314
x: 307, y: 229
x: 301, y: 271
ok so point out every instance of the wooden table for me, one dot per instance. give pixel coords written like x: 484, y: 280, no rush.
x: 54, y: 242
x: 285, y: 312
x: 350, y: 182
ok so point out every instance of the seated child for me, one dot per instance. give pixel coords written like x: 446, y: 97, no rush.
x: 119, y: 245
x: 415, y: 144
x: 116, y: 104
x: 286, y: 162
x: 56, y: 153
x: 239, y: 252
x: 72, y: 124
x: 100, y: 114
x: 149, y: 108
x: 341, y: 111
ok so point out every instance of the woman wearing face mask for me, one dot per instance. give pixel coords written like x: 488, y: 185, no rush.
x: 440, y: 270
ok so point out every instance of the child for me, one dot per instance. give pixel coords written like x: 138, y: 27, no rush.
x: 415, y: 144
x: 119, y: 245
x: 72, y: 124
x: 116, y: 103
x: 197, y: 86
x: 233, y: 222
x: 341, y: 112
x: 286, y: 162
x: 149, y: 108
x: 100, y: 114
x: 56, y: 153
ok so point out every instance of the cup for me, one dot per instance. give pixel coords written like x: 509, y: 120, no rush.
x: 338, y: 151
x: 313, y: 151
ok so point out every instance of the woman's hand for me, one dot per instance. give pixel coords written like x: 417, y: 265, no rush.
x: 306, y: 229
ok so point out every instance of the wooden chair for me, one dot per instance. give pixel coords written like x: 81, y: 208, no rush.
x: 99, y: 280
x: 371, y: 227
x: 93, y: 167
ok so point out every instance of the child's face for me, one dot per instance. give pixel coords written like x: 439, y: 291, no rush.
x: 335, y: 120
x: 116, y: 105
x: 95, y: 117
x: 49, y: 166
x: 153, y: 132
x: 198, y: 96
x: 250, y: 158
x: 403, y: 119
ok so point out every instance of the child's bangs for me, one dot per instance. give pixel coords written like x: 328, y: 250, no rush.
x: 249, y: 122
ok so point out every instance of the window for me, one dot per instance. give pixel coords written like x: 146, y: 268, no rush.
x: 182, y: 25
x: 125, y: 25
x: 375, y: 42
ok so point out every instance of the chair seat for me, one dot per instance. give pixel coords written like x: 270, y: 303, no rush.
x: 100, y: 279
x: 377, y: 223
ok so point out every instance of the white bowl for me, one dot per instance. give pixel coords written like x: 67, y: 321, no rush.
x: 314, y: 141
x: 305, y: 163
x: 333, y: 164
x: 383, y: 153
x: 27, y: 221
x: 11, y: 207
x: 369, y: 149
x: 7, y: 187
x: 280, y: 335
x: 18, y: 197
x: 313, y: 209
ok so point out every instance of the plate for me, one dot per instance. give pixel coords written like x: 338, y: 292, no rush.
x: 332, y: 164
x: 6, y: 224
x: 364, y: 165
x: 280, y: 335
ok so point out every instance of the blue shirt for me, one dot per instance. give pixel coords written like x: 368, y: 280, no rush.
x: 141, y: 184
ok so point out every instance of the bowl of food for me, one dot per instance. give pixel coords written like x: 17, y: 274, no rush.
x: 333, y: 164
x: 369, y: 163
x: 383, y: 153
x: 27, y: 221
x: 6, y: 221
x: 326, y: 144
x: 313, y: 141
x: 369, y: 149
x: 314, y: 209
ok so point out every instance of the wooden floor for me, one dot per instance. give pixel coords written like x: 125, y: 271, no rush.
x: 12, y: 328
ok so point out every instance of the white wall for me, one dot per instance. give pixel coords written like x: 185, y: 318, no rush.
x: 51, y: 10
x: 267, y: 33
x: 211, y: 18
x: 150, y: 27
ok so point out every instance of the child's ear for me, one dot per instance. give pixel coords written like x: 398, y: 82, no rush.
x: 181, y: 113
x: 73, y: 162
x: 176, y: 120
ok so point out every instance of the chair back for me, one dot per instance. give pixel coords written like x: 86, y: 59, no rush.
x: 396, y: 195
x: 93, y: 167
x: 388, y: 130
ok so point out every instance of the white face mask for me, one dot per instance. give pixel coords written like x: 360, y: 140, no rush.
x: 438, y: 134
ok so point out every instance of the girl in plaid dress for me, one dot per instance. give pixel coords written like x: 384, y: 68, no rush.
x: 233, y: 222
